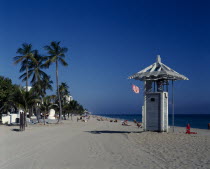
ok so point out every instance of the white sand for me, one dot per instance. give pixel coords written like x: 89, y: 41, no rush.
x: 101, y: 145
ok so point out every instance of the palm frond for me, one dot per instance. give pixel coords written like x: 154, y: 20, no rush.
x: 53, y: 59
x: 64, y: 50
x: 33, y: 59
x: 23, y: 65
x: 18, y: 59
x: 22, y: 76
x: 20, y: 51
x: 63, y: 62
x: 55, y: 45
x: 48, y: 48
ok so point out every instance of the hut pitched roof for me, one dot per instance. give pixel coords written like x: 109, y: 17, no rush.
x: 157, y: 71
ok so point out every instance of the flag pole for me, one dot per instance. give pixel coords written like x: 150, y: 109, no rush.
x: 173, y: 104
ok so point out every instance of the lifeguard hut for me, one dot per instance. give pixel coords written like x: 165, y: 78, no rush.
x: 156, y: 79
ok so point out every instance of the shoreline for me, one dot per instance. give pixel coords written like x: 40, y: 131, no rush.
x: 169, y: 125
x: 108, y: 120
x: 178, y: 129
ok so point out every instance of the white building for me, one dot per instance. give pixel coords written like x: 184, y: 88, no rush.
x: 68, y: 98
x: 29, y: 88
x: 11, y: 118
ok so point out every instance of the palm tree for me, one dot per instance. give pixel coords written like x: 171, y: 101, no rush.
x: 40, y: 88
x: 40, y: 80
x: 25, y: 99
x: 42, y: 85
x: 26, y: 54
x: 63, y: 88
x: 80, y: 109
x: 64, y: 92
x: 35, y: 68
x: 74, y: 107
x: 56, y: 55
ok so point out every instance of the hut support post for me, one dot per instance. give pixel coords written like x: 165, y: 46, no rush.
x: 173, y: 104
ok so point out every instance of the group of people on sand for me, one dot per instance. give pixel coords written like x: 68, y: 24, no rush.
x: 106, y: 119
x: 101, y: 119
x: 124, y: 123
x: 83, y: 118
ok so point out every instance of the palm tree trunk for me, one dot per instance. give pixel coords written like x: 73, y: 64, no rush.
x: 64, y: 115
x: 25, y: 114
x: 44, y: 117
x: 30, y: 111
x: 37, y: 113
x: 27, y: 76
x: 59, y: 98
x: 25, y: 120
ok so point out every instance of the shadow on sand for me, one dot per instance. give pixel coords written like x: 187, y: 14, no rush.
x: 17, y: 130
x: 112, y: 132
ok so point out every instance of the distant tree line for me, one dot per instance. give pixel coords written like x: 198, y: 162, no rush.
x: 35, y: 100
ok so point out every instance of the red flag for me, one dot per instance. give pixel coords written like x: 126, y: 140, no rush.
x: 135, y: 88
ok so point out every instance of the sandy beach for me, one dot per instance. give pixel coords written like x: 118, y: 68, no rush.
x: 101, y: 145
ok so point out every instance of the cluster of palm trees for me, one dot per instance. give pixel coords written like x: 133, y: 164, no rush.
x: 32, y: 68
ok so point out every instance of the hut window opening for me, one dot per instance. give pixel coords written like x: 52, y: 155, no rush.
x: 152, y: 99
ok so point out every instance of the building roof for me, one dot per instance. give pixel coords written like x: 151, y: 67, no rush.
x: 158, y: 71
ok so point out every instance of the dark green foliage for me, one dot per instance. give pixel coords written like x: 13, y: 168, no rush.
x: 64, y: 92
x: 73, y: 107
x: 6, y: 94
x: 25, y: 99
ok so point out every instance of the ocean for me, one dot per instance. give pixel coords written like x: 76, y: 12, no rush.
x: 195, y: 120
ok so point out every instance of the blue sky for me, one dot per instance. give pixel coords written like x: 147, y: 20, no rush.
x: 108, y: 41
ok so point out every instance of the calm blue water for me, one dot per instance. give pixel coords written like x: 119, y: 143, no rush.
x: 196, y: 120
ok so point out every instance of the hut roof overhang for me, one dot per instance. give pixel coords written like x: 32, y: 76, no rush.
x: 158, y: 71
